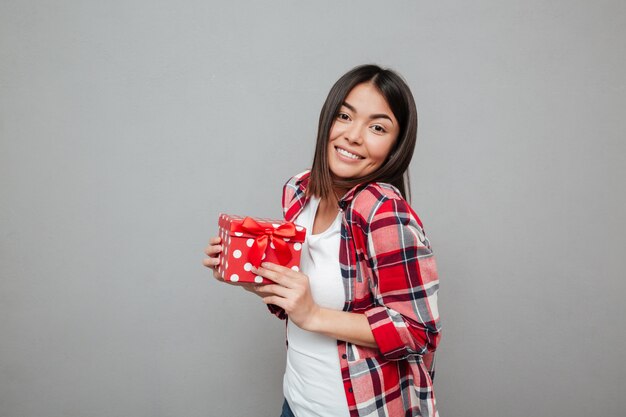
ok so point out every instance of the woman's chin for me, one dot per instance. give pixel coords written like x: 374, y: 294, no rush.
x: 343, y: 174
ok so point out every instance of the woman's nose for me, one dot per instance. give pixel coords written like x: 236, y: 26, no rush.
x: 354, y: 133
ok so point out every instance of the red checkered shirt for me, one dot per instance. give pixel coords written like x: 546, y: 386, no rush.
x: 389, y: 274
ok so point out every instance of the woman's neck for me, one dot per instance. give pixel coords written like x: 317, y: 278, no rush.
x: 339, y: 193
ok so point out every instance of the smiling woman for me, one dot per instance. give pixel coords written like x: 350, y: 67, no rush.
x: 363, y: 319
x: 363, y: 134
x: 379, y: 101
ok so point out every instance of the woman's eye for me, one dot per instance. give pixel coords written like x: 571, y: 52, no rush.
x: 378, y: 129
x: 343, y: 116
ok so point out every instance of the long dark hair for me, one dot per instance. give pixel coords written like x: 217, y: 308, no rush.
x: 395, y: 169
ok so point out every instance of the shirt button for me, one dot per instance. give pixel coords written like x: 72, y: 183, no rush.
x: 350, y: 390
x: 344, y: 356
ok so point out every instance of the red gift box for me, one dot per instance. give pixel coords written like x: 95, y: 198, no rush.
x: 248, y: 241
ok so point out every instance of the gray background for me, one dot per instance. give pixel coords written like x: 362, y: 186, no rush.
x: 127, y: 126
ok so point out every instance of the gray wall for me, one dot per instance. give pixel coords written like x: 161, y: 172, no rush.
x: 127, y: 126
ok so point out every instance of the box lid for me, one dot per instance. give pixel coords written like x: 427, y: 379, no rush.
x: 256, y: 226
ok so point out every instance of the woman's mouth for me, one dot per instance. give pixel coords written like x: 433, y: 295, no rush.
x: 347, y: 155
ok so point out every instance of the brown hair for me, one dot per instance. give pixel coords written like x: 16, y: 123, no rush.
x: 395, y: 168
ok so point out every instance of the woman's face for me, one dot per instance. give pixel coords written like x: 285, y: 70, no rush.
x: 362, y: 134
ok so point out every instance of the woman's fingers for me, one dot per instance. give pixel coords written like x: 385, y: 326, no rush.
x: 255, y: 289
x: 273, y: 289
x: 284, y: 277
x: 211, y: 262
x: 217, y: 275
x: 213, y: 250
x: 276, y: 300
x: 214, y: 246
x: 277, y: 273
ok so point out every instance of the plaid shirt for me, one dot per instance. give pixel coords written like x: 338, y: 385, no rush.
x: 389, y: 274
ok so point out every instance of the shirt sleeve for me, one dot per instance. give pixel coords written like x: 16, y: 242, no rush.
x: 404, y: 283
x: 277, y: 311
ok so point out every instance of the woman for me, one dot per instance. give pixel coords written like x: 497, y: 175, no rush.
x: 362, y: 312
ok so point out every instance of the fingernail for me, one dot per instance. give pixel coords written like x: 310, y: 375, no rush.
x: 265, y: 264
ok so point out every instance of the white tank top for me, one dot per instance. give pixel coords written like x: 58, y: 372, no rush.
x: 312, y: 383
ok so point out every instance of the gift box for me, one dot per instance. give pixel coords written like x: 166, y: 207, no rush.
x: 248, y: 241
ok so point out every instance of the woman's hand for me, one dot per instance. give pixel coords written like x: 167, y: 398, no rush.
x: 213, y: 250
x: 290, y: 291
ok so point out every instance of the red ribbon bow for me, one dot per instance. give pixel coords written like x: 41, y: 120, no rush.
x: 274, y: 235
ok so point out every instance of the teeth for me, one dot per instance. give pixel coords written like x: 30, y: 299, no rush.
x: 348, y: 154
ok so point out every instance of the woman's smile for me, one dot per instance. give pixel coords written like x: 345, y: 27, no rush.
x: 346, y: 155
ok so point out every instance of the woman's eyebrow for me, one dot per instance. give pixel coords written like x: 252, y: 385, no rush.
x: 373, y: 116
x: 349, y: 106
